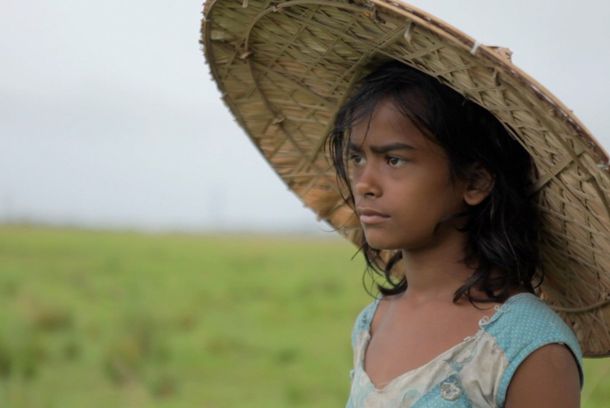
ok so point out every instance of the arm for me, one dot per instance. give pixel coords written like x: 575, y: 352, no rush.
x: 547, y: 378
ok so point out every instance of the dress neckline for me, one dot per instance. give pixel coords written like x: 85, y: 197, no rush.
x: 484, y: 321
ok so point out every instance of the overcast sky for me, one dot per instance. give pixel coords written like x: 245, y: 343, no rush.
x: 108, y: 116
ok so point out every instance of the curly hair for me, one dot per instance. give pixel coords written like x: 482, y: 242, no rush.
x: 502, y: 231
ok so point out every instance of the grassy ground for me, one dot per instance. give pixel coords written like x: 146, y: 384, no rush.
x: 106, y: 319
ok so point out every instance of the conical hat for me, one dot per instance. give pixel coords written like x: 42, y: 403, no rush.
x: 285, y: 67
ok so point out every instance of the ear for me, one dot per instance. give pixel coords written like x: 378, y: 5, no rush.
x: 479, y: 183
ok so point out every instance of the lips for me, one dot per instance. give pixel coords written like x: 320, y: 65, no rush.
x: 369, y: 216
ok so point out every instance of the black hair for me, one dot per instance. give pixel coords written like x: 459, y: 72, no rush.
x: 502, y: 231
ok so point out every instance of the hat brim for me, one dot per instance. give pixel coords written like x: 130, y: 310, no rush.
x: 284, y: 69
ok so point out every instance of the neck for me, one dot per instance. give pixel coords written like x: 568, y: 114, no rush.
x: 437, y: 271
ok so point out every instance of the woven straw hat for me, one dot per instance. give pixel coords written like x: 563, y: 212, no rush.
x: 285, y: 67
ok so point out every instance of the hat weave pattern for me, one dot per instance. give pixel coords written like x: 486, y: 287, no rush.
x: 285, y: 68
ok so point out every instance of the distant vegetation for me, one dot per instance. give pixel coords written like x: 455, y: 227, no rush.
x: 109, y: 319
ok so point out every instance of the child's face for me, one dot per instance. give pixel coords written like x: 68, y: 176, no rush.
x: 401, y: 182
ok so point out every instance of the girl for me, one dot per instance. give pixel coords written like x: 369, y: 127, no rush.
x: 463, y: 189
x: 438, y: 180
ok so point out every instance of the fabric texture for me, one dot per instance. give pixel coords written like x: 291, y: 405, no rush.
x: 475, y: 372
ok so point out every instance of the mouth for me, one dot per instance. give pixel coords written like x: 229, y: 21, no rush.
x: 368, y: 216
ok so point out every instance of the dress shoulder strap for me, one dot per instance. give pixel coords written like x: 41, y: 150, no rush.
x: 523, y: 324
x: 363, y: 321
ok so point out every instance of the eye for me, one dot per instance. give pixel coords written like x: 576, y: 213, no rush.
x: 395, y: 161
x: 357, y: 159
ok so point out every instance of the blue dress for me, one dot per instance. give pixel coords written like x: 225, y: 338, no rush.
x: 473, y: 373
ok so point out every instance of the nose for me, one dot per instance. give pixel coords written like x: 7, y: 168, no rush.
x: 366, y: 183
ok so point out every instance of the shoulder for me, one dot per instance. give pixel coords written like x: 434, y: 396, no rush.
x: 532, y: 337
x: 548, y: 377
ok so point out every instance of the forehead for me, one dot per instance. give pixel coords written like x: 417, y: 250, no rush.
x: 387, y: 124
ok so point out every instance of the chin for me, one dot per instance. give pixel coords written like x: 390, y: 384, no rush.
x: 381, y: 241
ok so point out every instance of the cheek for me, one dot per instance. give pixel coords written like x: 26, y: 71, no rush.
x: 427, y: 200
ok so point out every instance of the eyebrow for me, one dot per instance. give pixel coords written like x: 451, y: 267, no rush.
x: 383, y: 149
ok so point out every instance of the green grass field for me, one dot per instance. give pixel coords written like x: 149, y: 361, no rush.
x: 110, y: 319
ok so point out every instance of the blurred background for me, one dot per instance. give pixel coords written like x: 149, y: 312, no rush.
x: 149, y: 257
